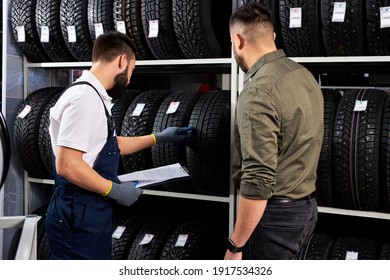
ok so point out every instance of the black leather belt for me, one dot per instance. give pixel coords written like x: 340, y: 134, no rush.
x: 275, y: 200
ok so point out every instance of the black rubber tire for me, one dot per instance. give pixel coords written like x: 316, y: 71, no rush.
x: 165, y: 45
x: 304, y: 41
x: 75, y: 13
x: 141, y: 125
x: 208, y: 144
x: 6, y: 149
x: 161, y: 229
x: 26, y: 132
x: 118, y: 111
x: 170, y: 153
x: 118, y: 11
x: 356, y: 145
x: 132, y: 224
x: 344, y: 38
x: 378, y: 39
x: 367, y: 249
x: 120, y: 107
x: 100, y: 11
x: 204, y: 242
x: 385, y: 252
x: 23, y: 14
x: 44, y: 141
x: 324, y: 183
x: 384, y: 162
x: 198, y: 30
x: 43, y: 250
x: 273, y: 7
x: 47, y: 13
x: 318, y: 248
x: 134, y: 28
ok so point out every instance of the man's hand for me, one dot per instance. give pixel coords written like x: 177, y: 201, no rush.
x: 172, y: 134
x: 125, y: 193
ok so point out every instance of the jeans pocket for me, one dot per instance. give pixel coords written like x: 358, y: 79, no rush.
x: 281, y: 242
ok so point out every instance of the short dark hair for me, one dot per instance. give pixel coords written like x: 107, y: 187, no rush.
x: 251, y: 13
x: 112, y: 44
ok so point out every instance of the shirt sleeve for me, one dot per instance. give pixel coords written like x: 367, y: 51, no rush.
x: 258, y: 125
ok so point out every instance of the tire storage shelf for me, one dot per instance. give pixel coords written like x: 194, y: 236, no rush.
x: 363, y: 64
x: 324, y: 65
x: 229, y: 81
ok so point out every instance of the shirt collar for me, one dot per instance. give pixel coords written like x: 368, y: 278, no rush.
x: 88, y: 76
x: 259, y: 63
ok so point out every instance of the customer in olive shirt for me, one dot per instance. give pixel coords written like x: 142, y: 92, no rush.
x: 278, y: 136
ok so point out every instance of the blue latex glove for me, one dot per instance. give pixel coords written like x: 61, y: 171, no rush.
x: 125, y: 193
x: 172, y: 134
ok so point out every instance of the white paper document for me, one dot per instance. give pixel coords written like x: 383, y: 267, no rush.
x: 156, y: 175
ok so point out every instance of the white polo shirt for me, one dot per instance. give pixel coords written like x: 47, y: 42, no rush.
x: 78, y: 119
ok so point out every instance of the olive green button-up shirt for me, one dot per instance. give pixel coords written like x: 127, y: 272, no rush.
x: 278, y: 130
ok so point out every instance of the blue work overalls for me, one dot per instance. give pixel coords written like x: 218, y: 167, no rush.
x: 79, y: 223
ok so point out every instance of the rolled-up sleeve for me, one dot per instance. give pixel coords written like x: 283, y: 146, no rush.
x: 258, y: 126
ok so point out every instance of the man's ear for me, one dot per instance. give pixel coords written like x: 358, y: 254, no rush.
x: 122, y: 63
x: 239, y: 41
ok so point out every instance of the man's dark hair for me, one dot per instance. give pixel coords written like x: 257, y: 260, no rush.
x: 112, y: 44
x: 251, y: 13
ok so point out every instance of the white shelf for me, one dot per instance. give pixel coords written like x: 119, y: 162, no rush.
x: 355, y: 213
x: 229, y: 199
x: 188, y: 196
x: 208, y: 61
x: 40, y: 181
x: 341, y: 59
x: 169, y: 62
x: 226, y: 199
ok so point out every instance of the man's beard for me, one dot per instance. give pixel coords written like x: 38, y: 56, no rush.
x: 239, y: 60
x: 120, y: 84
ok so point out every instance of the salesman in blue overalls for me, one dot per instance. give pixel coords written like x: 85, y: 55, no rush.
x: 79, y: 219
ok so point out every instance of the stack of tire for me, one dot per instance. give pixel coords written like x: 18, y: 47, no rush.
x: 353, y: 171
x: 146, y: 238
x: 205, y: 152
x: 64, y: 30
x: 323, y: 246
x: 164, y: 238
x: 330, y: 27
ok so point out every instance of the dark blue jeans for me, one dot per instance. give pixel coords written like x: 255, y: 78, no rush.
x: 282, y: 231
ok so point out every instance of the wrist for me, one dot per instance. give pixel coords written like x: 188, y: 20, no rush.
x: 154, y: 138
x: 109, y: 189
x: 232, y: 247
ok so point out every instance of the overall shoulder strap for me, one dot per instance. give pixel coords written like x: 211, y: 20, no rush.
x: 110, y: 121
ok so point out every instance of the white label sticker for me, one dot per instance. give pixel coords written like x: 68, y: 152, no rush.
x: 339, y: 11
x: 120, y: 26
x: 295, y: 17
x: 118, y: 232
x: 138, y: 109
x: 71, y: 33
x: 385, y: 17
x: 21, y: 33
x: 98, y: 29
x: 172, y: 108
x: 360, y: 105
x: 44, y: 34
x: 181, y: 240
x: 24, y: 112
x: 153, y: 28
x: 351, y: 255
x: 147, y: 238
